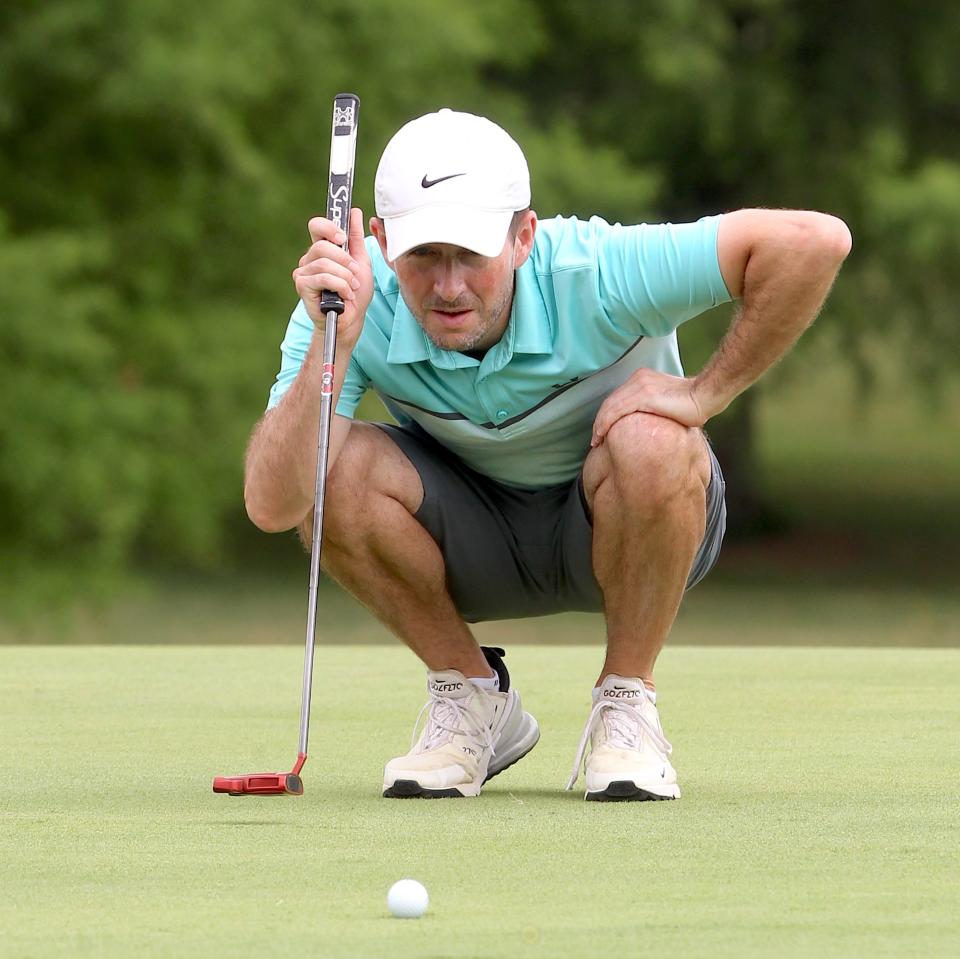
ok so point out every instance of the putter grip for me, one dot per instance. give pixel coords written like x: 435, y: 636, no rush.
x: 343, y: 148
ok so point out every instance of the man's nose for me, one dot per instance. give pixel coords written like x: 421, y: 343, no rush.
x: 448, y: 283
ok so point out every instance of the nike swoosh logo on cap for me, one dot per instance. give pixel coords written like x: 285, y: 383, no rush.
x: 426, y: 184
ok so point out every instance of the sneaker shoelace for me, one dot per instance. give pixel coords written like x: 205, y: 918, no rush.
x: 625, y: 726
x: 448, y: 718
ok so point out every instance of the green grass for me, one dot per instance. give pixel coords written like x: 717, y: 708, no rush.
x: 819, y: 815
x: 730, y: 608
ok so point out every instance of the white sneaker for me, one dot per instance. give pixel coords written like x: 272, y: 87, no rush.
x: 471, y: 735
x: 628, y: 751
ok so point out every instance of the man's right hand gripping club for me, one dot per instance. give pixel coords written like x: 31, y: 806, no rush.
x: 327, y: 266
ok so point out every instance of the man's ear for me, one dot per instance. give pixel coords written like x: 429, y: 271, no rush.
x: 523, y: 242
x: 379, y: 231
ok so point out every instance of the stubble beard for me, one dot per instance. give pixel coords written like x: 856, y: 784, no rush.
x: 472, y: 339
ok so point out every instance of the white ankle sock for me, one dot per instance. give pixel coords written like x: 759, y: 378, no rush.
x: 491, y: 683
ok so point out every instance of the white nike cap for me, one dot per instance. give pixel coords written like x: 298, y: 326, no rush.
x: 450, y: 177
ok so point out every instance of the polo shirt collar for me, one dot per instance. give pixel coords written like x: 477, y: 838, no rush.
x: 529, y: 331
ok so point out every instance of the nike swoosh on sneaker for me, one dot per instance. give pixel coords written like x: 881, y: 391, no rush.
x: 426, y: 184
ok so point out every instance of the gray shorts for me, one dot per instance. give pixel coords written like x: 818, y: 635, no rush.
x: 511, y: 553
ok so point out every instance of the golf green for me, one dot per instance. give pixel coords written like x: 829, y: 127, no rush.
x: 819, y: 813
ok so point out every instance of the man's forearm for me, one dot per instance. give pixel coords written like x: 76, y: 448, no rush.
x: 785, y: 284
x: 281, y: 462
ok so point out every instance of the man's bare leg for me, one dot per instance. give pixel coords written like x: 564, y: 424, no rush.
x: 381, y: 554
x: 376, y: 550
x: 646, y: 487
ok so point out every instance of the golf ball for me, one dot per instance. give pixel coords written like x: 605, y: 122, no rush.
x: 407, y: 899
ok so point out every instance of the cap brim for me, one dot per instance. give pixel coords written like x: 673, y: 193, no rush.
x: 481, y: 231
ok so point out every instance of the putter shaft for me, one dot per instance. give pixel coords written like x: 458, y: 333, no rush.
x: 323, y: 447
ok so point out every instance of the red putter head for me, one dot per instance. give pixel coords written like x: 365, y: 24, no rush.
x: 263, y: 784
x: 260, y: 784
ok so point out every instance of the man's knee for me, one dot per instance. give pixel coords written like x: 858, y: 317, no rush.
x: 369, y: 467
x: 656, y: 456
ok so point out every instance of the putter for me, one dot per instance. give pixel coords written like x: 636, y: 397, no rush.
x: 343, y: 144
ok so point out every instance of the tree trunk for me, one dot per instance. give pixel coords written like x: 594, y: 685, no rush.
x: 733, y: 435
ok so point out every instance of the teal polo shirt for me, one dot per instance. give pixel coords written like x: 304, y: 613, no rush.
x: 593, y: 303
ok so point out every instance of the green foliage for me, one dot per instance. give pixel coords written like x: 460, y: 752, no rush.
x: 848, y: 108
x: 910, y: 218
x: 158, y: 161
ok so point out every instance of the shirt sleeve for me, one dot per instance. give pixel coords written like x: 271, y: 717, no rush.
x: 653, y: 277
x: 293, y: 350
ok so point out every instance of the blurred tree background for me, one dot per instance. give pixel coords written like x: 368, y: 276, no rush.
x: 159, y: 159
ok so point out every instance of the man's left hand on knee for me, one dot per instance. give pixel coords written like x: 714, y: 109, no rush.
x: 648, y: 391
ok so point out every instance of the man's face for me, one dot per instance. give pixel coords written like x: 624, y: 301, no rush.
x: 461, y: 300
